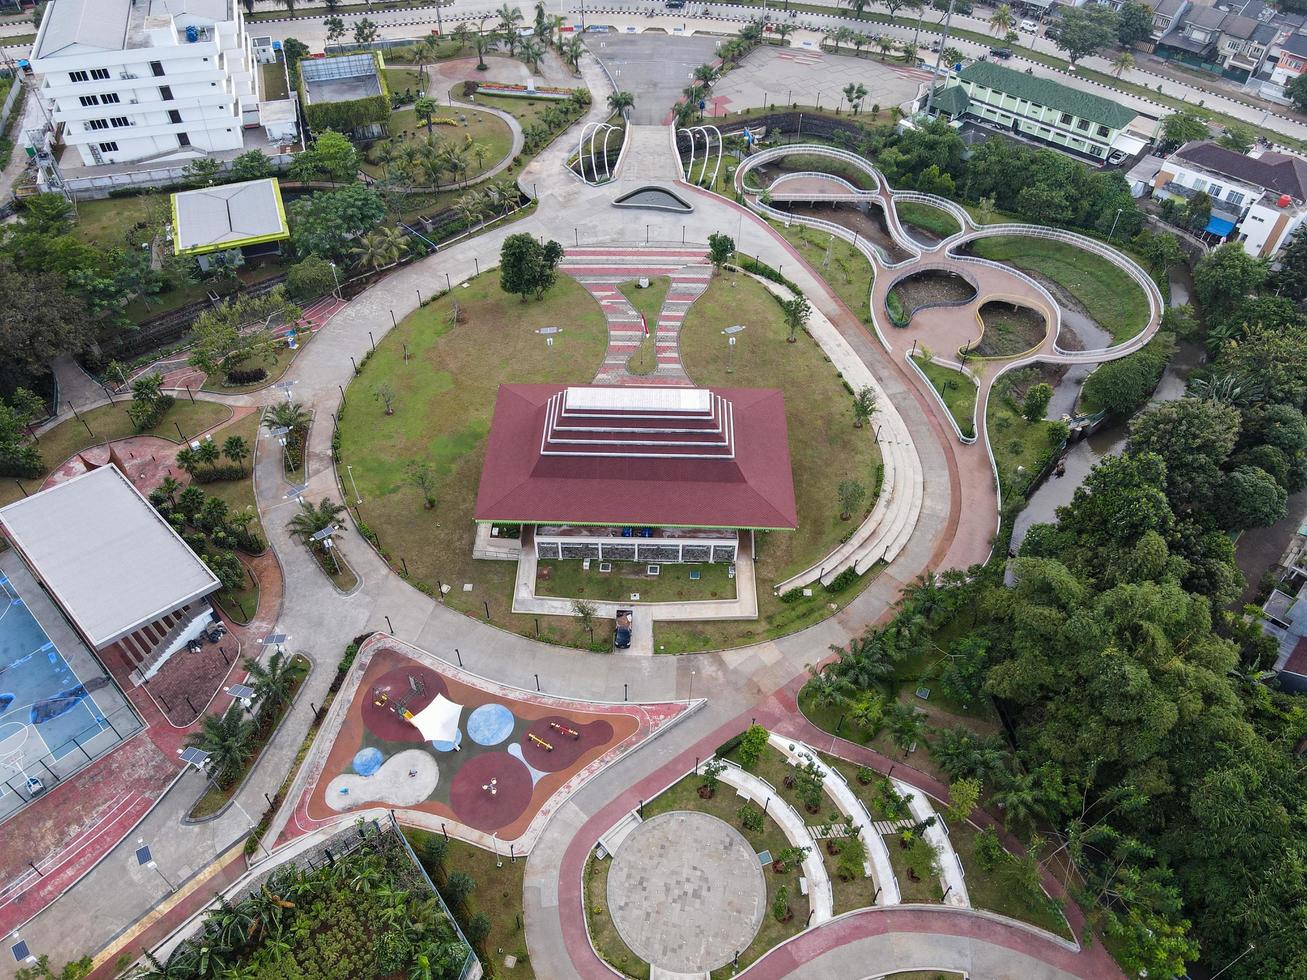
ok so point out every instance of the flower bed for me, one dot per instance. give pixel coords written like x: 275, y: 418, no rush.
x: 517, y: 90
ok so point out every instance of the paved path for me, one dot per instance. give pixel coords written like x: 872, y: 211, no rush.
x: 319, y: 620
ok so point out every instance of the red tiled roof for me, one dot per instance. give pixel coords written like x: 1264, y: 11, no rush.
x: 631, y: 479
x: 1297, y: 662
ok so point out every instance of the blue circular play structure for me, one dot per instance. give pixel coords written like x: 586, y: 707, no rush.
x: 448, y: 746
x: 490, y: 724
x: 367, y: 761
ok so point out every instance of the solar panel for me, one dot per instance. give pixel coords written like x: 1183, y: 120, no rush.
x: 296, y: 490
x: 241, y: 691
x: 735, y: 329
x: 20, y: 951
x: 279, y: 431
x: 194, y: 757
x: 326, y: 532
x: 274, y: 639
x: 143, y: 855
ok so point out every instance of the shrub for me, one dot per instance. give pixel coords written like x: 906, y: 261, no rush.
x: 727, y: 747
x: 780, y: 908
x: 750, y: 817
x: 792, y: 595
x: 865, y: 775
x: 477, y: 929
x: 751, y: 745
x: 246, y: 376
x: 458, y: 886
x: 347, y: 660
x: 988, y: 850
x: 1120, y: 387
x: 843, y: 580
x: 218, y: 474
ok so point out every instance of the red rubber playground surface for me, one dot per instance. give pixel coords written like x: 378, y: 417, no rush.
x: 518, y: 753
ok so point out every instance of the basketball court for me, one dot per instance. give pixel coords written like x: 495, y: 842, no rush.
x: 58, y: 708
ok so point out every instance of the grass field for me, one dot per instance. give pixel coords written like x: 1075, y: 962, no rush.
x: 274, y: 81
x: 1108, y: 295
x: 106, y: 424
x: 649, y: 304
x: 1002, y: 890
x: 1019, y: 446
x: 445, y: 397
x: 957, y: 390
x: 825, y: 448
x: 672, y: 584
x: 498, y: 893
x: 848, y: 273
x: 605, y: 938
x: 684, y: 795
x: 939, y: 223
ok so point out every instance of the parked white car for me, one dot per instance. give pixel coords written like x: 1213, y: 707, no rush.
x: 1030, y: 25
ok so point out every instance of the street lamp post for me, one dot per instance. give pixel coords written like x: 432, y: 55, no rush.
x: 1114, y: 221
x: 336, y: 291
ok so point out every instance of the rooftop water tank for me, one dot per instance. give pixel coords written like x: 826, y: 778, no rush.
x: 1283, y: 201
x: 192, y: 34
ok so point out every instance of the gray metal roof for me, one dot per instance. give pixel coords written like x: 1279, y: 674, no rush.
x: 212, y: 218
x: 105, y: 554
x: 99, y: 25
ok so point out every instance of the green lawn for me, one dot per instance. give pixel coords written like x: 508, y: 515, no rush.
x: 939, y: 223
x: 1009, y: 329
x: 113, y: 222
x: 445, y: 397
x: 1020, y: 447
x: 403, y: 81
x: 845, y: 269
x: 672, y: 584
x: 1002, y: 890
x: 498, y: 893
x: 106, y: 424
x: 649, y: 304
x: 724, y: 804
x: 274, y: 81
x: 525, y: 111
x: 1108, y: 295
x: 481, y: 128
x: 825, y: 448
x: 275, y: 365
x: 605, y: 938
x: 920, y: 860
x: 957, y: 390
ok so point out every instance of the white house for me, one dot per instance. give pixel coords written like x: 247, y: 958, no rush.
x: 147, y: 79
x: 1257, y: 200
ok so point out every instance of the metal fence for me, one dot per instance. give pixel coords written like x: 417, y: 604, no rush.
x: 66, y: 759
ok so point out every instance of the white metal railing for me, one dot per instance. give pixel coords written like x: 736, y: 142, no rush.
x: 856, y: 192
x: 935, y: 201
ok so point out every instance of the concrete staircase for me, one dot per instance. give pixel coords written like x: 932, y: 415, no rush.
x: 150, y: 646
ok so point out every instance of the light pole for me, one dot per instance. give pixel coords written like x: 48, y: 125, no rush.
x: 690, y: 699
x: 1232, y: 962
x: 253, y: 825
x: 939, y: 58
x: 145, y: 859
x: 350, y: 470
x: 1114, y: 221
x: 336, y: 291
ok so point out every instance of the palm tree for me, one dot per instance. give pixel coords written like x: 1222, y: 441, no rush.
x: 572, y: 50
x: 312, y: 519
x: 784, y: 30
x: 509, y: 19
x: 1019, y: 800
x: 189, y: 460
x: 532, y: 51
x: 463, y: 35
x: 287, y: 414
x: 884, y: 44
x: 705, y: 75
x: 621, y: 102
x: 484, y: 40
x: 1122, y: 63
x: 1001, y: 20
x: 226, y: 738
x: 952, y: 56
x: 479, y: 152
x: 826, y: 687
x: 170, y: 488
x: 906, y: 726
x: 858, y: 39
x: 380, y: 249
x: 272, y: 682
x: 472, y: 206
x: 424, y: 51
x: 858, y: 6
x: 425, y: 109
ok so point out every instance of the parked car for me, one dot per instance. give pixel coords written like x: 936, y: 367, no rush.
x: 1030, y: 26
x: 1003, y: 53
x: 1116, y: 158
x: 622, y: 630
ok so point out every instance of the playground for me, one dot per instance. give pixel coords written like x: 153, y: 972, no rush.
x: 53, y: 715
x: 420, y: 735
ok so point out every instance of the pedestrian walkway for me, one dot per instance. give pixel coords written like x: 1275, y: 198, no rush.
x: 820, y: 897
x: 950, y: 866
x: 602, y: 271
x: 879, y: 867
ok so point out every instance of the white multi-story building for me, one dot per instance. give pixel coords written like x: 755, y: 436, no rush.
x: 147, y: 79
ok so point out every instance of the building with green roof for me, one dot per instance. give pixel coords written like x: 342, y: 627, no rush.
x: 1034, y: 107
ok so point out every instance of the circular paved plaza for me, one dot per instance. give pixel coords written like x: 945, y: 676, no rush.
x: 686, y: 892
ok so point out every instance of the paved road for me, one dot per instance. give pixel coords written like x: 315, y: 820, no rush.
x: 320, y: 621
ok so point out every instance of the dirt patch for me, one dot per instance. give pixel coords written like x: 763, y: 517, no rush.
x: 1010, y: 329
x: 933, y: 287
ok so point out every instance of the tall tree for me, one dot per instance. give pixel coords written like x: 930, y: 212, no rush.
x: 1086, y: 30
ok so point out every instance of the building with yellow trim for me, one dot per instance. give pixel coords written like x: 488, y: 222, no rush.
x: 239, y: 220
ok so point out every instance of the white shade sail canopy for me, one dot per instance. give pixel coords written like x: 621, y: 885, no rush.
x: 438, y: 721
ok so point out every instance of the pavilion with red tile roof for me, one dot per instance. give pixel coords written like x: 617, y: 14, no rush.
x: 601, y: 471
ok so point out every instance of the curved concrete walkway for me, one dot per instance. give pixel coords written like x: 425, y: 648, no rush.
x: 795, y: 828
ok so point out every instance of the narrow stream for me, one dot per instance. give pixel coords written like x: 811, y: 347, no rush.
x: 1081, y: 457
